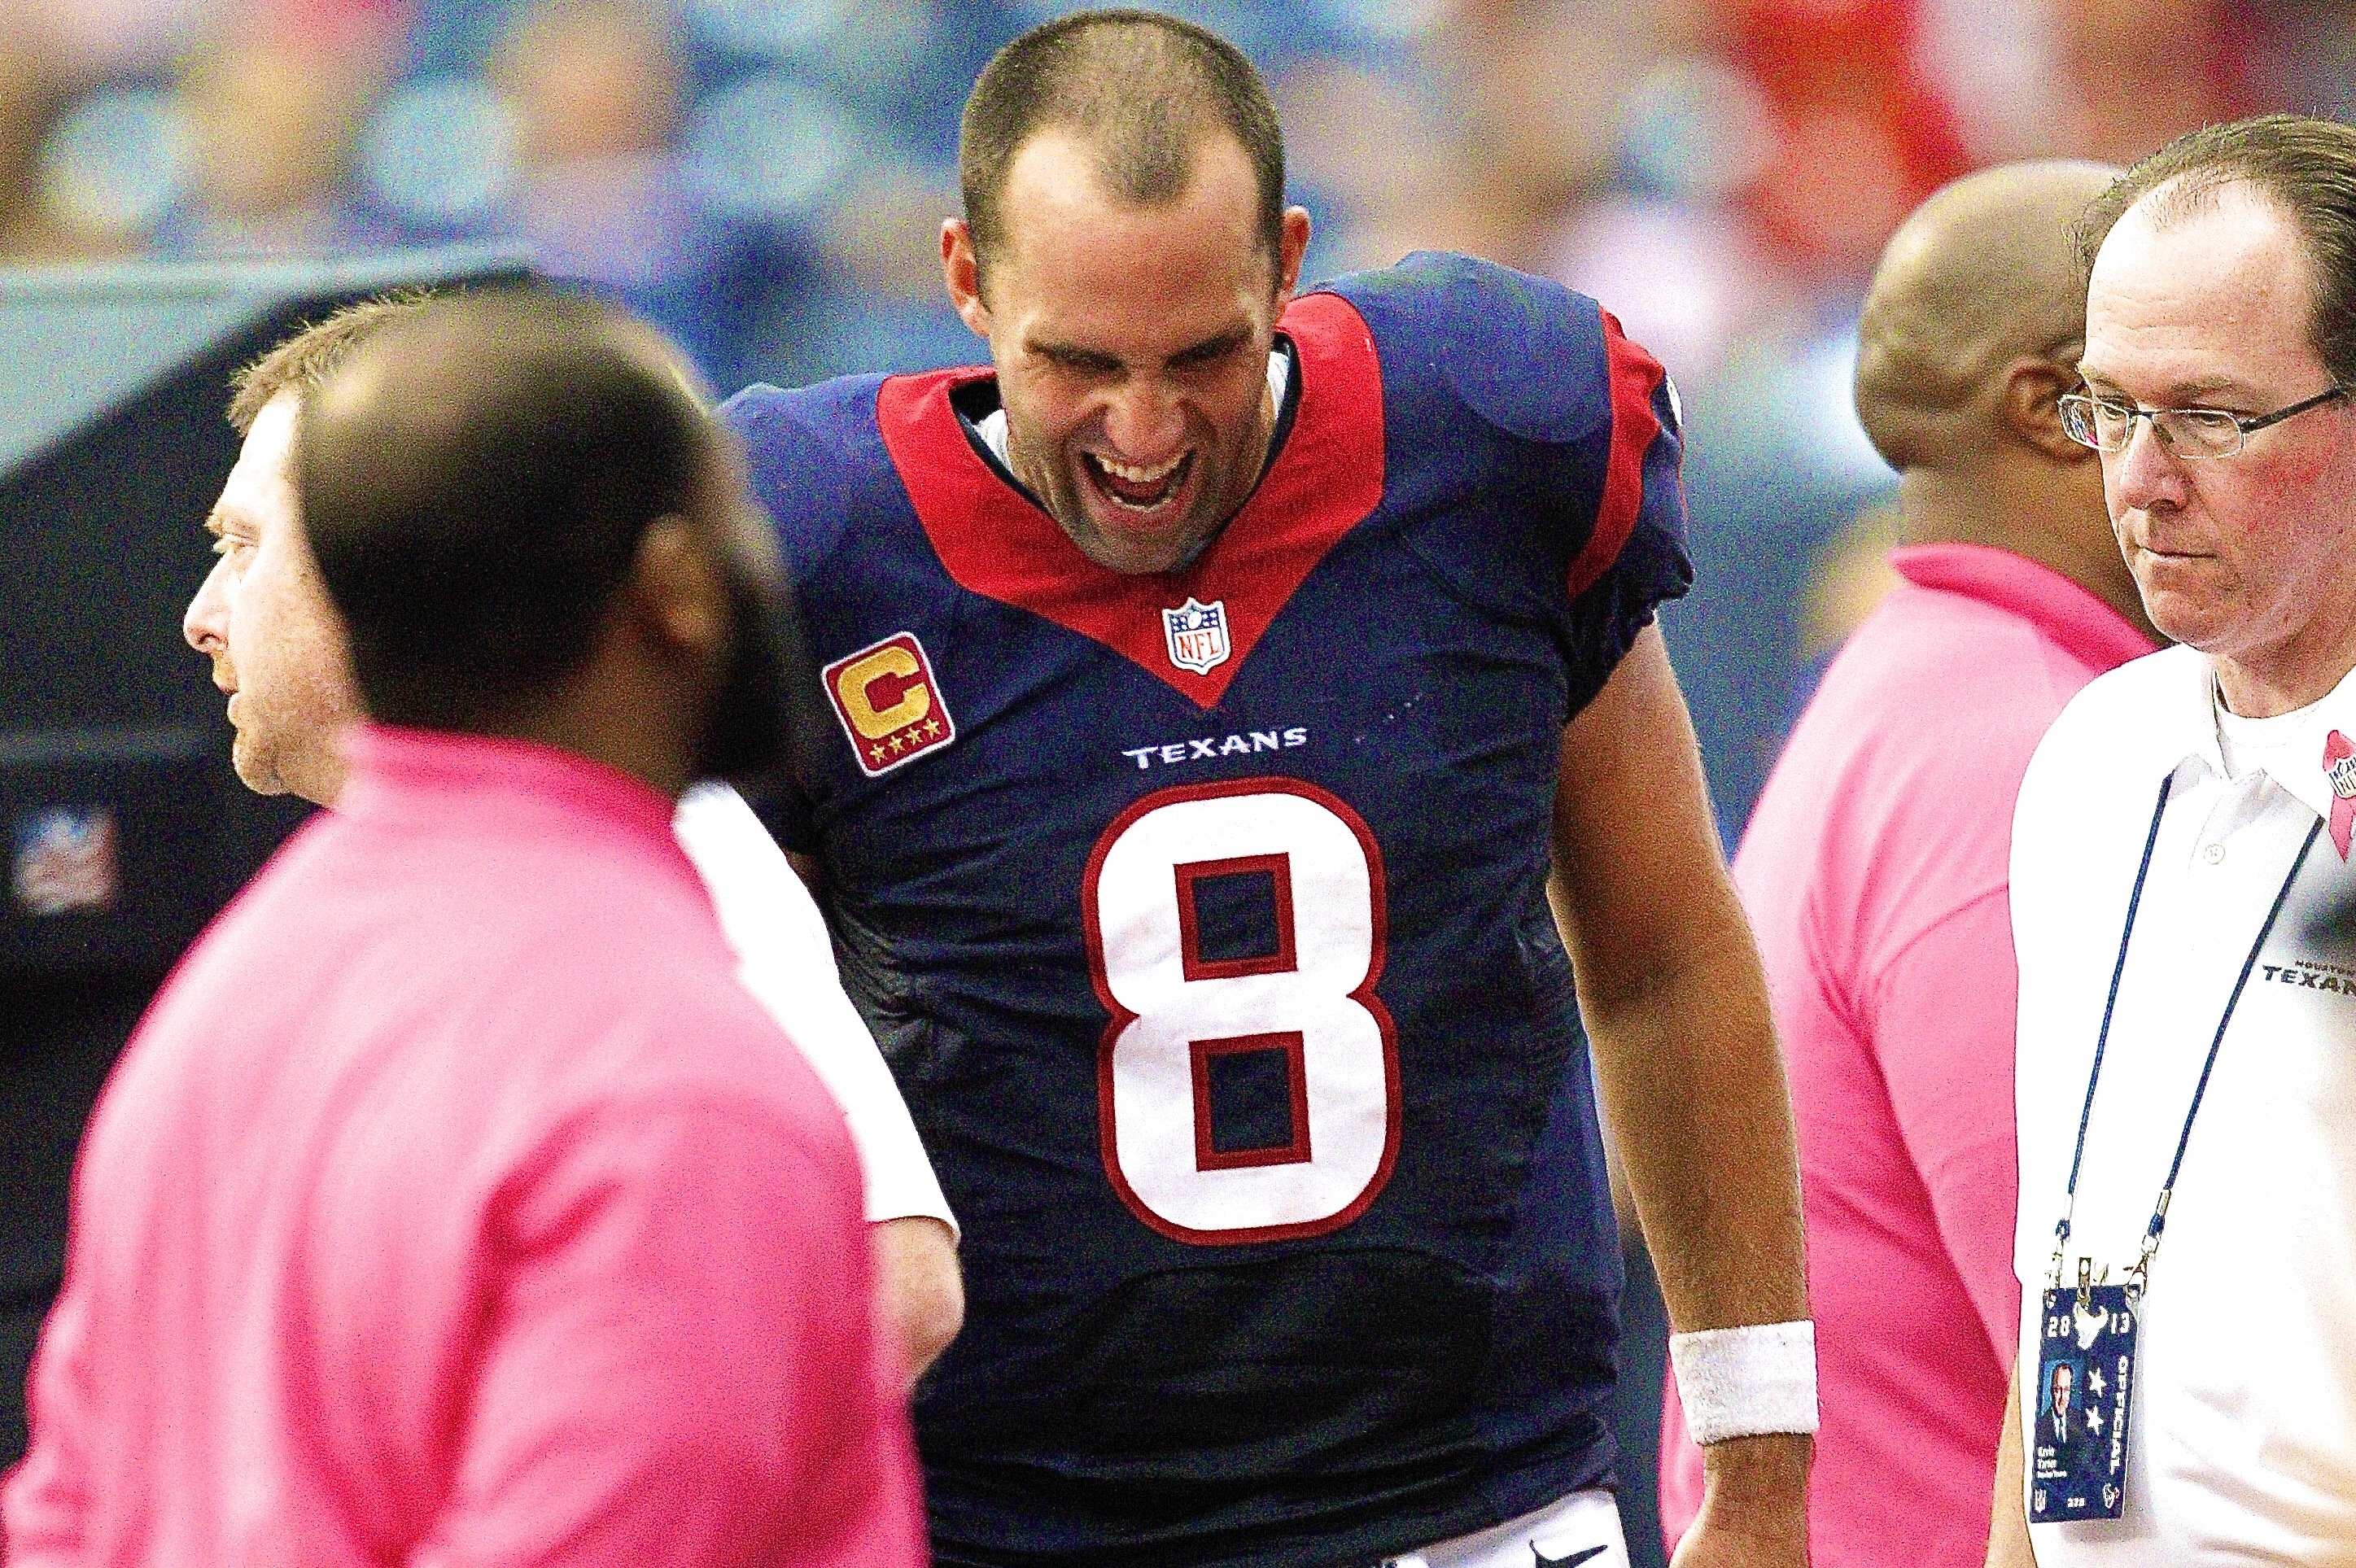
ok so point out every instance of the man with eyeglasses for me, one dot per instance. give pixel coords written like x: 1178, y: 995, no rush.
x: 2182, y: 893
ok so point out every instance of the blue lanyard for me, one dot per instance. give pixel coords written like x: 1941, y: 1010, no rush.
x: 2141, y: 1274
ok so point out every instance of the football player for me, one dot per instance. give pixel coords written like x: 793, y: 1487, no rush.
x: 1218, y: 676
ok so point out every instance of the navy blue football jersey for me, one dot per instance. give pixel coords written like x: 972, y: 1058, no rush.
x: 1203, y: 920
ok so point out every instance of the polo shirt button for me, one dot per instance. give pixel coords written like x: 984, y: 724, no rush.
x: 2214, y: 854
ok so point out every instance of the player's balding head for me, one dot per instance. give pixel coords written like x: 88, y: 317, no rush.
x: 1140, y: 91
x: 1983, y: 275
x: 475, y: 481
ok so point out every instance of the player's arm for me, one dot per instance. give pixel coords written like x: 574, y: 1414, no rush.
x: 2009, y: 1544
x: 1670, y: 986
x: 922, y: 1285
x: 917, y: 1267
x: 788, y: 964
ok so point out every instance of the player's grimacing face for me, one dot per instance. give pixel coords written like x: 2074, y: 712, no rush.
x: 265, y: 619
x: 1131, y: 347
x: 2251, y: 556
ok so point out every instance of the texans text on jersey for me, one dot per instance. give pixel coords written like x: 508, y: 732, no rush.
x: 1211, y: 748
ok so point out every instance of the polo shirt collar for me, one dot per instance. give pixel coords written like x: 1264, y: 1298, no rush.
x: 411, y: 777
x: 2083, y: 626
x: 2302, y: 768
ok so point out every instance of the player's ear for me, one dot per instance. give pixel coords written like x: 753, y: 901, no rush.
x: 1291, y: 245
x: 961, y: 270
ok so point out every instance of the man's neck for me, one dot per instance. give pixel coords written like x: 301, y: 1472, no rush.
x: 623, y: 708
x: 322, y: 774
x: 2267, y: 684
x: 1995, y: 508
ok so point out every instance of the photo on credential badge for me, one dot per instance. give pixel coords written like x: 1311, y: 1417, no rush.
x: 2085, y: 1372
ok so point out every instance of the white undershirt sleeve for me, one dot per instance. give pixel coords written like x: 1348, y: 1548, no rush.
x: 787, y: 962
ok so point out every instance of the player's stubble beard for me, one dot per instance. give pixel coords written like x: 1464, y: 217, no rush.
x: 1225, y: 482
x: 748, y: 731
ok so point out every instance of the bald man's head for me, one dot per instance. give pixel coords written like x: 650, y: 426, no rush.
x: 1984, y: 273
x: 476, y: 480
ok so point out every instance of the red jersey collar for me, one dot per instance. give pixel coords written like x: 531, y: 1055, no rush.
x: 995, y: 541
x: 2085, y: 627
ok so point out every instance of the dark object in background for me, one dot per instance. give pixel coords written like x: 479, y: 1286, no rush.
x: 123, y: 829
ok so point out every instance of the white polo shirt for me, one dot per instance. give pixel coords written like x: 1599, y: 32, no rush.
x: 2242, y: 1432
x: 787, y: 962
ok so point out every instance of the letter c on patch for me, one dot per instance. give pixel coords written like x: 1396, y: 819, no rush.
x: 889, y: 703
x: 884, y: 691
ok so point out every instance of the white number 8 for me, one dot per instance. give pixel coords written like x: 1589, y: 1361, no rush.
x: 1310, y: 1004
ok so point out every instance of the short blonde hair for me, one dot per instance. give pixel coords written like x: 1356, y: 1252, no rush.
x: 304, y: 362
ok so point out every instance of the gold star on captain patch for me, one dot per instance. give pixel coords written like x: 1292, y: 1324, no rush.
x: 932, y: 729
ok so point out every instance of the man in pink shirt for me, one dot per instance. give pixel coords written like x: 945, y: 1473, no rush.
x: 453, y: 1205
x: 1874, y: 867
x: 262, y: 619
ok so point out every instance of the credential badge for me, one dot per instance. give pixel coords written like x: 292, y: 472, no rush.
x: 1197, y: 635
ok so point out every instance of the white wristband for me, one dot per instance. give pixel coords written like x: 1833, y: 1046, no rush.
x: 1744, y: 1382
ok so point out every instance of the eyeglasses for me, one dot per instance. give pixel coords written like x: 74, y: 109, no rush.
x: 2108, y: 425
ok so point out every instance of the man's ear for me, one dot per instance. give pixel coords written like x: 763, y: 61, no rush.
x: 961, y: 270
x: 2029, y: 407
x: 676, y: 591
x: 1292, y: 244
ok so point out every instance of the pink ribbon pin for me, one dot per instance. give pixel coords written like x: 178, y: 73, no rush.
x: 2340, y: 767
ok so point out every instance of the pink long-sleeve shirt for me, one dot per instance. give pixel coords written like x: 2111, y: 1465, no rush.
x: 453, y: 1205
x: 1875, y: 872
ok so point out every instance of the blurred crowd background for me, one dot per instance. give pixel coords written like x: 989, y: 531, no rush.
x: 764, y: 178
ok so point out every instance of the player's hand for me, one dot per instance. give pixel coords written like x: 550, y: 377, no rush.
x: 1754, y: 1509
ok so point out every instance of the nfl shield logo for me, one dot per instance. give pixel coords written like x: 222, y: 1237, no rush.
x: 1197, y: 635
